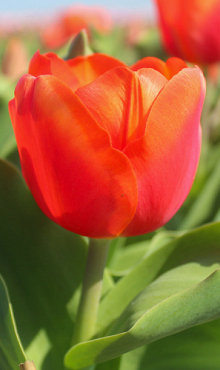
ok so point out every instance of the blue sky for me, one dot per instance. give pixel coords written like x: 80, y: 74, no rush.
x: 53, y: 5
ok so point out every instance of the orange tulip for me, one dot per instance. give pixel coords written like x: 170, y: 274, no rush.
x: 72, y: 21
x: 108, y: 150
x: 191, y: 29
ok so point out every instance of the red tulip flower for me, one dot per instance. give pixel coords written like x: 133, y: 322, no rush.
x: 108, y: 150
x: 191, y: 29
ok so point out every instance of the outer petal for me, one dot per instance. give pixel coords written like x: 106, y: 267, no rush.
x: 40, y: 65
x: 169, y: 68
x: 88, y: 68
x: 51, y: 64
x: 75, y: 176
x: 75, y: 72
x: 166, y: 158
x: 120, y: 99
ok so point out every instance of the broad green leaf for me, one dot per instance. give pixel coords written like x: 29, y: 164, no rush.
x: 39, y: 348
x: 201, y: 245
x: 196, y: 305
x: 217, y: 216
x: 124, y: 253
x: 126, y: 258
x: 133, y: 283
x: 42, y: 265
x: 11, y: 351
x: 168, y: 284
x: 196, y: 348
x: 113, y: 364
x: 132, y: 360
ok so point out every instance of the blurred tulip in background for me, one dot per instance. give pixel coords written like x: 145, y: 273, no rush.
x: 73, y: 20
x: 191, y: 29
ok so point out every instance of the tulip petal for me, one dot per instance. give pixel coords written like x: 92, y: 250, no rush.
x: 173, y: 66
x: 166, y: 158
x: 51, y: 64
x: 75, y: 176
x: 169, y: 68
x: 120, y: 99
x: 39, y: 65
x: 88, y: 68
x: 190, y: 29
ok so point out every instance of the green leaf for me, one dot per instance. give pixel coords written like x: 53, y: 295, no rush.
x: 126, y: 258
x: 7, y: 140
x: 11, y: 351
x: 43, y: 266
x: 132, y: 360
x: 113, y: 364
x: 168, y: 284
x: 133, y: 283
x: 190, y: 307
x: 203, y: 206
x: 196, y: 348
x: 201, y: 245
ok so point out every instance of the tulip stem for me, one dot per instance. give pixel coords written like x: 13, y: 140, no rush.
x: 91, y: 290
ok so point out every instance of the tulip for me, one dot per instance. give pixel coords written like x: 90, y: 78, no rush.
x: 72, y: 21
x: 108, y: 150
x: 190, y: 29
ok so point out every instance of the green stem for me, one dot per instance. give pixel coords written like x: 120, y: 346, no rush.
x: 91, y: 290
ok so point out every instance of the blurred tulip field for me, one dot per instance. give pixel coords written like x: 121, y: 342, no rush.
x: 160, y: 299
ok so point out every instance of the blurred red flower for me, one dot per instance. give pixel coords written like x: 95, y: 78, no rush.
x: 108, y: 150
x: 191, y: 29
x: 72, y: 21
